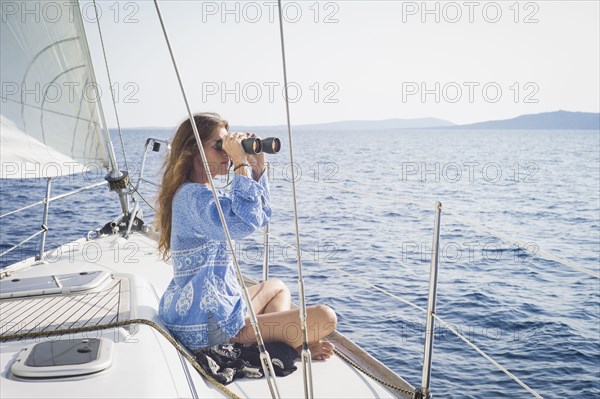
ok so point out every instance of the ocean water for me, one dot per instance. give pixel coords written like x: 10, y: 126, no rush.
x: 366, y: 211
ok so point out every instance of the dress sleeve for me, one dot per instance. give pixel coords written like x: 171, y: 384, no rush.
x: 246, y: 209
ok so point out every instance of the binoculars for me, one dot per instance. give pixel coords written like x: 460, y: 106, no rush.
x: 254, y: 145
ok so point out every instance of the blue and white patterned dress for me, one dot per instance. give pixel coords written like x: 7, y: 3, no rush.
x: 203, y: 304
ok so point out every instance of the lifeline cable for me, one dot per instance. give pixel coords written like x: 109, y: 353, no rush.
x: 438, y: 318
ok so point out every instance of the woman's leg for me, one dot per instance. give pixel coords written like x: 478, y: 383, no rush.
x: 270, y: 296
x: 284, y: 326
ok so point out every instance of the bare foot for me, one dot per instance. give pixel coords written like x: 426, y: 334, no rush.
x: 322, y: 350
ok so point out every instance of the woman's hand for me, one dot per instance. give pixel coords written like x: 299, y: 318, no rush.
x: 232, y: 145
x: 256, y: 161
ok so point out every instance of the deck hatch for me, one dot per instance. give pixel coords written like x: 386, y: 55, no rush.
x: 52, y: 284
x: 63, y: 358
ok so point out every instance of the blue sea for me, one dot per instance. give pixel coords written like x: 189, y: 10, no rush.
x: 366, y: 214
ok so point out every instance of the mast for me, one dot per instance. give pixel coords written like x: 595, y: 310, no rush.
x: 118, y: 180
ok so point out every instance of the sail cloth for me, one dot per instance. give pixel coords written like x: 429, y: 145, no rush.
x: 49, y: 118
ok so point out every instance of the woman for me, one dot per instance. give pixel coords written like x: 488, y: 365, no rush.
x: 203, y: 304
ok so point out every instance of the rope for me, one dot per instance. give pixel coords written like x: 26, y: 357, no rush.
x: 110, y: 85
x: 150, y: 323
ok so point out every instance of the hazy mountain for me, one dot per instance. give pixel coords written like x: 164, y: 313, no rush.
x: 558, y: 120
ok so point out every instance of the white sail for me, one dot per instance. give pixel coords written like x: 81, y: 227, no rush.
x: 50, y: 123
x: 25, y: 163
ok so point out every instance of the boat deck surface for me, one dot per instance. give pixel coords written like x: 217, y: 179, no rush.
x: 145, y: 363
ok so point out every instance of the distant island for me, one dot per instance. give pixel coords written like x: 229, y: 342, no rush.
x: 557, y: 120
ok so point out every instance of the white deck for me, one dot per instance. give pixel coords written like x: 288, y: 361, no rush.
x: 145, y: 364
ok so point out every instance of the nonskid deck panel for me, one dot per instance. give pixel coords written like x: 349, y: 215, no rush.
x: 66, y: 311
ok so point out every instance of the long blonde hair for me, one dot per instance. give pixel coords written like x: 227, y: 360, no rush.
x: 177, y: 167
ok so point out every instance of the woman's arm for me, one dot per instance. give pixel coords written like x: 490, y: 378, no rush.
x: 246, y: 209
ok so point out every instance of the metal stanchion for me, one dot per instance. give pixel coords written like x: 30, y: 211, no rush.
x: 424, y: 392
x: 40, y: 256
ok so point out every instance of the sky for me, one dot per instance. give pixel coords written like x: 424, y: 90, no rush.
x: 464, y: 61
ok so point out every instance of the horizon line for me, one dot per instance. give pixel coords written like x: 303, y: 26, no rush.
x: 370, y: 120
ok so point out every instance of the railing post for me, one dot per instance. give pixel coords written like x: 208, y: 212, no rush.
x: 40, y: 256
x: 423, y: 392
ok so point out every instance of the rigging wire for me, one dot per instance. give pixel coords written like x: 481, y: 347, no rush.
x: 110, y: 85
x: 136, y: 191
x: 306, y: 356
